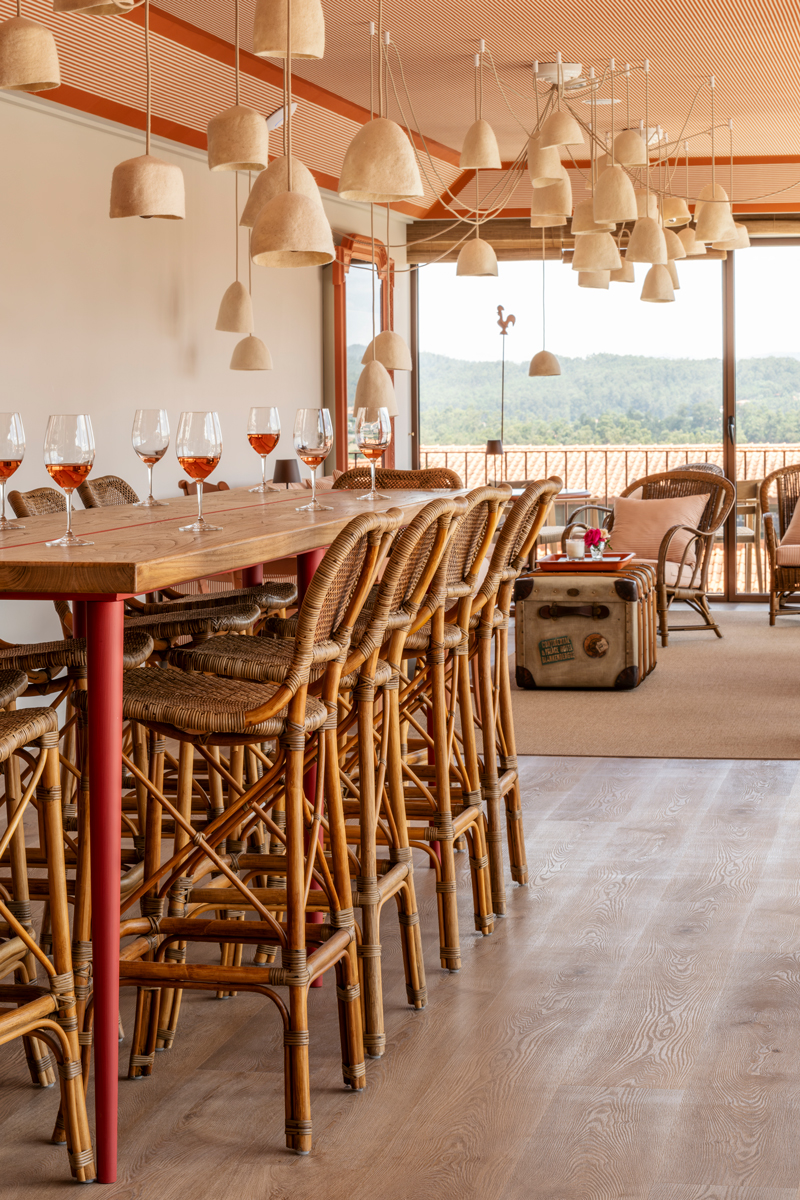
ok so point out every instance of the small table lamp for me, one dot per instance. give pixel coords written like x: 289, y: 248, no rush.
x: 285, y: 470
x: 494, y: 447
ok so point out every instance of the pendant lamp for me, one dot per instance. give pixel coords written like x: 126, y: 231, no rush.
x: 556, y: 198
x: 583, y: 220
x: 147, y: 186
x: 629, y: 149
x: 709, y: 192
x: 274, y: 180
x: 647, y: 244
x: 673, y: 274
x: 476, y: 257
x: 546, y: 221
x: 740, y: 242
x: 690, y: 243
x: 380, y: 165
x: 270, y: 29
x: 543, y: 363
x: 374, y: 390
x: 658, y: 285
x: 389, y: 349
x: 544, y: 166
x: 250, y: 354
x: 238, y: 139
x: 479, y: 150
x: 674, y: 245
x: 95, y: 8
x: 236, y: 310
x: 646, y: 204
x: 560, y: 129
x: 596, y: 252
x: 614, y: 197
x: 594, y: 279
x: 675, y: 210
x: 28, y: 56
x: 625, y: 274
x: 715, y: 222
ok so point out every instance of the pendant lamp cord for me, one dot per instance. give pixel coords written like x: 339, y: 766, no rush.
x: 730, y: 137
x: 612, y: 66
x: 147, y: 75
x: 249, y: 240
x: 380, y: 58
x: 647, y: 132
x: 372, y: 273
x: 236, y: 45
x: 288, y: 80
x: 236, y: 221
x: 713, y: 144
x: 371, y: 72
x: 543, y: 293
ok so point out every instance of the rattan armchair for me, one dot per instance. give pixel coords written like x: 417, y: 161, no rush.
x: 784, y: 580
x: 427, y: 478
x: 40, y: 502
x: 106, y: 491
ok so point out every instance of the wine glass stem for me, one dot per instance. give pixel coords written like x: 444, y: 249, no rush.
x: 372, y: 472
x: 3, y: 498
x: 263, y: 470
x: 200, y: 501
x: 69, y: 513
x: 150, y: 481
x: 314, y: 487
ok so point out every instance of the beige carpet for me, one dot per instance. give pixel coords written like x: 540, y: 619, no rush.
x: 738, y: 697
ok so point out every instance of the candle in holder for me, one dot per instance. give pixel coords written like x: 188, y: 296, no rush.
x: 575, y: 548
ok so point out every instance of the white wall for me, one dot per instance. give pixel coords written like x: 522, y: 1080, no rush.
x: 104, y: 317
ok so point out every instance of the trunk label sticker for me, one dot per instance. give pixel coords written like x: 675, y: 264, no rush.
x: 554, y: 650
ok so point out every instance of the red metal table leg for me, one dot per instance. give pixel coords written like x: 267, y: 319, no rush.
x: 253, y: 576
x: 306, y: 566
x: 104, y: 633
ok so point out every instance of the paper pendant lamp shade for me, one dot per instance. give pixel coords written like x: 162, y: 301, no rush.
x: 594, y: 279
x: 292, y: 231
x: 560, y: 129
x: 147, y: 187
x: 647, y: 243
x: 476, y: 257
x: 673, y: 274
x: 596, y: 252
x: 647, y: 207
x: 480, y: 150
x: 715, y: 222
x: 546, y: 220
x: 583, y: 219
x: 238, y: 140
x: 709, y: 192
x: 236, y: 310
x: 658, y: 287
x: 544, y: 166
x: 308, y: 29
x: 690, y: 243
x: 675, y: 210
x: 544, y: 363
x: 555, y: 199
x: 380, y: 165
x: 94, y: 8
x: 674, y: 245
x: 629, y: 148
x: 625, y: 273
x: 250, y: 354
x: 28, y: 57
x: 274, y: 180
x: 391, y: 350
x: 374, y: 390
x: 614, y: 197
x: 740, y: 242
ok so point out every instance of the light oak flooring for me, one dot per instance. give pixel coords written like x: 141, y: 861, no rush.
x: 630, y: 1032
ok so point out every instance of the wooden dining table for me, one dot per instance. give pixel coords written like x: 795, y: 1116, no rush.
x: 138, y: 550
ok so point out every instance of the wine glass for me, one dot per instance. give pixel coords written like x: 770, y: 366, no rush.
x: 69, y: 457
x: 199, y: 449
x: 150, y: 437
x: 12, y: 450
x: 373, y: 437
x: 313, y: 440
x: 263, y: 434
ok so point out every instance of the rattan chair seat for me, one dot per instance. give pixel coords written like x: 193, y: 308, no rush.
x: 267, y: 595
x: 235, y: 618
x: 257, y: 659
x: 383, y: 675
x: 18, y: 729
x: 198, y: 703
x: 137, y: 646
x: 12, y: 684
x: 422, y: 638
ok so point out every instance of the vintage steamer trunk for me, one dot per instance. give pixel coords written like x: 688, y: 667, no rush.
x: 587, y: 630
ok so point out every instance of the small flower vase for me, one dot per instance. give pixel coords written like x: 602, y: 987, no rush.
x: 597, y: 551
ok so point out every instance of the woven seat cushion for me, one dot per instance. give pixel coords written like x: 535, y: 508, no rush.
x: 257, y: 659
x: 670, y: 571
x: 225, y: 619
x: 266, y: 595
x: 12, y: 684
x: 137, y: 646
x: 18, y: 729
x: 422, y: 638
x: 203, y: 705
x: 383, y: 675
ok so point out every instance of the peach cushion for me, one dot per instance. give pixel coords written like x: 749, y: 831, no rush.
x: 671, y: 570
x: 789, y: 550
x: 640, y: 525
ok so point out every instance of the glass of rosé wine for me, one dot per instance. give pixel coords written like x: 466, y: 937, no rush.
x: 69, y: 458
x: 12, y: 451
x: 199, y: 449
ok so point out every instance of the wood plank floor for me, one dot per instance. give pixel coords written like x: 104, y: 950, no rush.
x: 630, y: 1032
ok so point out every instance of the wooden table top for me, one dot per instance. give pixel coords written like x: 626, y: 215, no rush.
x: 139, y: 549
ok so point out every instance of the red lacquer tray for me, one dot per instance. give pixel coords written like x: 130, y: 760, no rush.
x: 560, y: 562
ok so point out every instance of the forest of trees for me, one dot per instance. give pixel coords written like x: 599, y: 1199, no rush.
x: 604, y: 399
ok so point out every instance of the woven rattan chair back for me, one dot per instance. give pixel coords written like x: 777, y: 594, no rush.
x: 668, y: 484
x: 520, y: 529
x: 106, y: 491
x: 786, y: 481
x: 189, y: 486
x: 40, y: 502
x: 470, y: 541
x: 432, y: 478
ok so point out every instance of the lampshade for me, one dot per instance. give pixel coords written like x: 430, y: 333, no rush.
x: 709, y: 192
x: 629, y: 148
x: 594, y: 279
x: 95, y: 8
x: 560, y: 129
x: 625, y: 274
x: 250, y: 354
x: 476, y: 257
x: 675, y: 211
x: 380, y: 165
x: 28, y: 57
x: 690, y: 243
x: 544, y: 363
x: 740, y: 242
x: 715, y: 222
x: 147, y: 187
x: 274, y: 180
x: 494, y: 446
x: 673, y: 274
x: 583, y: 219
x: 674, y: 245
x: 480, y: 151
x: 647, y: 243
x: 374, y: 390
x: 308, y: 29
x: 544, y: 166
x: 645, y: 207
x: 596, y: 252
x: 556, y: 198
x: 658, y: 285
x: 236, y: 310
x: 546, y: 220
x: 391, y: 350
x: 285, y: 470
x: 238, y: 140
x: 614, y: 197
x: 292, y: 231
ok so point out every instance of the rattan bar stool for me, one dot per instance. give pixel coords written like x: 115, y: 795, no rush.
x: 426, y: 479
x: 45, y: 1013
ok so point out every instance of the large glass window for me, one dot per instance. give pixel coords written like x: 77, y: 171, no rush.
x: 362, y: 281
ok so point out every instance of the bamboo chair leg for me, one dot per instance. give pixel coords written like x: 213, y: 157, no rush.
x: 296, y: 1037
x: 508, y: 762
x: 350, y: 1031
x: 170, y: 999
x: 491, y: 780
x: 369, y: 952
x: 449, y: 950
x: 140, y: 1063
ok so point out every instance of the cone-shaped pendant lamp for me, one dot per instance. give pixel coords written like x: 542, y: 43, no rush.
x: 560, y: 129
x: 629, y: 149
x: 236, y: 310
x: 594, y: 279
x: 476, y: 257
x: 556, y: 198
x: 544, y: 363
x: 647, y: 244
x: 673, y: 274
x: 374, y: 390
x: 625, y: 274
x: 238, y: 140
x: 675, y: 248
x: 646, y: 204
x: 147, y: 186
x: 546, y: 221
x: 479, y: 151
x: 250, y: 354
x: 390, y: 350
x: 270, y: 29
x: 675, y: 210
x: 28, y: 57
x: 614, y: 197
x: 690, y: 243
x: 583, y: 220
x: 715, y: 222
x: 740, y: 242
x: 658, y: 285
x: 709, y: 192
x: 274, y: 180
x: 596, y: 252
x: 544, y: 165
x: 380, y: 165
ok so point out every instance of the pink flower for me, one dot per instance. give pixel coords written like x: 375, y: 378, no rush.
x: 593, y: 537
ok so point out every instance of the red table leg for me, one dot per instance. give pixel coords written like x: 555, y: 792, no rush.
x: 104, y: 633
x: 253, y: 576
x: 306, y: 566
